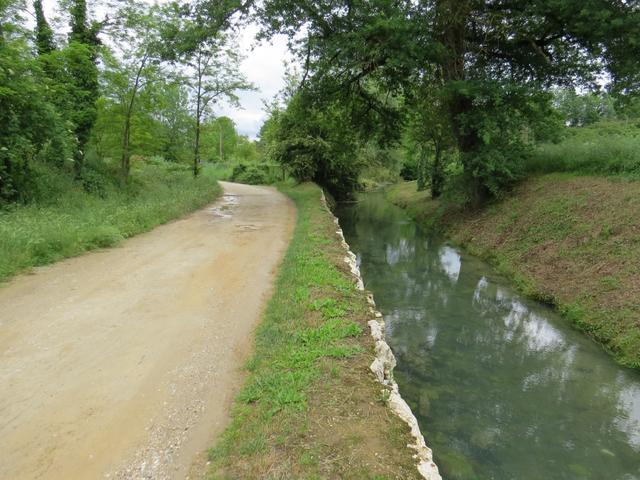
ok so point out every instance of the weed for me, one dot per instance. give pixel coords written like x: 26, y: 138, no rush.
x: 608, y: 148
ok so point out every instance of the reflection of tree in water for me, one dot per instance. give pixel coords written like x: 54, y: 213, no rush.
x: 501, y: 391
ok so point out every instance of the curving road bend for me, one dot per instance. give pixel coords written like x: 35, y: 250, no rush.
x: 123, y: 363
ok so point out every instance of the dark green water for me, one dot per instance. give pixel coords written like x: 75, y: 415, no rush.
x: 502, y: 387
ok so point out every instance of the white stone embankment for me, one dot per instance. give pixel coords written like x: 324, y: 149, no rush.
x: 382, y: 367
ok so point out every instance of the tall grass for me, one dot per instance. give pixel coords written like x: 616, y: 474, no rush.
x: 71, y: 221
x: 611, y: 148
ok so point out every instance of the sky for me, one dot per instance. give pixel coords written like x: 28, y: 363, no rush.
x: 264, y: 66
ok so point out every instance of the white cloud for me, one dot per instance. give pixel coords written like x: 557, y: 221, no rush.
x: 264, y: 66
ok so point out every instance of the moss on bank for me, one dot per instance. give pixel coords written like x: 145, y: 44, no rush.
x: 310, y: 408
x: 573, y: 242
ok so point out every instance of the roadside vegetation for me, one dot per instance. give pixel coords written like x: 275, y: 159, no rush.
x: 310, y: 408
x: 107, y: 124
x: 68, y: 220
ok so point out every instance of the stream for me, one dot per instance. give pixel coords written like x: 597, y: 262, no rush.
x: 501, y: 385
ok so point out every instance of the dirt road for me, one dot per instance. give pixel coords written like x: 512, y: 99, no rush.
x: 123, y: 363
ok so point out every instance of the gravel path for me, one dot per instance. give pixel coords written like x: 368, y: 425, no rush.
x: 123, y: 363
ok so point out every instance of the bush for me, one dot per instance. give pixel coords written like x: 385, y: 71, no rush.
x: 251, y: 174
x: 409, y: 170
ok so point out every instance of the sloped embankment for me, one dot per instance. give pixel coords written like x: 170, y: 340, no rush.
x: 572, y: 241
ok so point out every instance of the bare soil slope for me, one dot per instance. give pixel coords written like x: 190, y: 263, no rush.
x: 124, y: 362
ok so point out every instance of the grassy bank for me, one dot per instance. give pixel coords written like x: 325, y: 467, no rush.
x: 310, y: 408
x: 65, y: 220
x: 572, y: 241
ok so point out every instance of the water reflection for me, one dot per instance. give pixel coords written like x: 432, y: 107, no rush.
x: 503, y: 388
x: 450, y: 262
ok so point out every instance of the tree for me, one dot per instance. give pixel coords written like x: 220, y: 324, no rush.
x: 581, y: 110
x: 31, y: 130
x: 493, y: 62
x: 216, y: 76
x: 196, y: 38
x: 219, y: 139
x: 136, y: 40
x: 44, y: 35
x: 313, y: 144
x: 83, y: 69
x: 430, y: 136
x: 172, y: 110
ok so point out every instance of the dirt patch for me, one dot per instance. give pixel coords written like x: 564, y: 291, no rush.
x: 125, y: 362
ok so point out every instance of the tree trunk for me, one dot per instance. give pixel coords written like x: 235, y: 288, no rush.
x: 437, y: 177
x: 451, y: 24
x: 196, y: 148
x: 125, y: 161
x: 422, y: 170
x: 221, y: 152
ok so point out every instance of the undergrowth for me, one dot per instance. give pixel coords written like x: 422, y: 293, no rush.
x: 66, y: 218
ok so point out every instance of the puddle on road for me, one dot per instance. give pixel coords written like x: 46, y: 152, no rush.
x: 225, y: 210
x: 249, y: 228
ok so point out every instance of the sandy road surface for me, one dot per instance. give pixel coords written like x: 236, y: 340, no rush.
x: 123, y: 363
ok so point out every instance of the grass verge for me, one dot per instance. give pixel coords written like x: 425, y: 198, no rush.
x: 310, y: 408
x: 76, y: 221
x: 570, y: 241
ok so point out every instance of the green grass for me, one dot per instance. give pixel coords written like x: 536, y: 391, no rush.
x: 608, y: 148
x: 419, y: 205
x: 310, y: 365
x: 65, y: 220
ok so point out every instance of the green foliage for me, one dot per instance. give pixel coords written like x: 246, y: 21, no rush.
x: 210, y: 56
x: 44, y: 34
x: 312, y: 143
x: 82, y: 69
x: 30, y: 126
x: 64, y: 220
x: 488, y: 62
x: 581, y: 110
x: 221, y: 143
x: 80, y: 105
x: 606, y: 148
x: 251, y: 174
x: 409, y: 170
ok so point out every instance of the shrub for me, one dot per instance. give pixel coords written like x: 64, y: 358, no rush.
x: 251, y: 174
x: 409, y: 170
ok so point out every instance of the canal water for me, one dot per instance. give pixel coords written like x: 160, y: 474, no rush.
x: 502, y: 387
